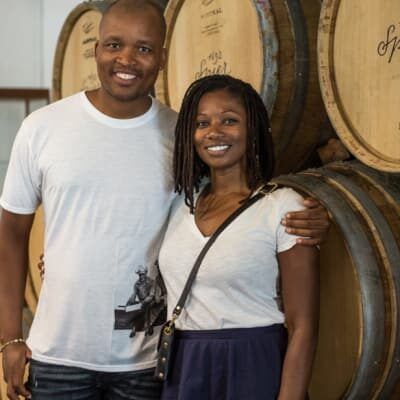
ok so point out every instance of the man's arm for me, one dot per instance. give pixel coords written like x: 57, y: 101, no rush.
x: 14, y: 241
x: 312, y: 223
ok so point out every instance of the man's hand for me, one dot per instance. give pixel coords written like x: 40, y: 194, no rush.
x: 15, y: 357
x: 312, y: 223
x: 40, y: 266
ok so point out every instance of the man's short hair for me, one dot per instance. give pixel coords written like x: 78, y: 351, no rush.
x: 138, y: 5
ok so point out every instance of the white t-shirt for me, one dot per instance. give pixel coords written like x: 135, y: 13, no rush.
x: 236, y: 286
x: 106, y: 187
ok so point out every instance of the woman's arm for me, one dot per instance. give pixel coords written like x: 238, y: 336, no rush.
x: 300, y: 290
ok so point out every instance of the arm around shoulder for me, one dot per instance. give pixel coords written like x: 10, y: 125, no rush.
x: 312, y: 223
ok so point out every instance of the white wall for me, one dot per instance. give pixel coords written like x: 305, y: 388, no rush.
x: 21, y: 43
x: 29, y: 31
x: 55, y: 13
x: 20, y: 65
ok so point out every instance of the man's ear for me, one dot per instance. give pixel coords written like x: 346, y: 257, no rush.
x: 163, y: 58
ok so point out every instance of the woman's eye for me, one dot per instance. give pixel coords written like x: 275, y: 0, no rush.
x: 201, y: 124
x: 230, y: 121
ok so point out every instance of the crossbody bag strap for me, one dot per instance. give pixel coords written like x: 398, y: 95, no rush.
x: 268, y: 188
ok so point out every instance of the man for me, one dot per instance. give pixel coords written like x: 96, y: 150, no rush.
x: 143, y: 294
x: 100, y: 162
x: 141, y: 288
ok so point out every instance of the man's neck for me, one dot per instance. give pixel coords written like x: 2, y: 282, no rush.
x: 118, y: 109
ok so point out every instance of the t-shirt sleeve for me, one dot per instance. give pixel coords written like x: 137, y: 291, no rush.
x: 288, y: 200
x: 21, y: 191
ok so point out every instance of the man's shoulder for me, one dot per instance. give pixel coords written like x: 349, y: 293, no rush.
x: 53, y: 110
x: 166, y: 113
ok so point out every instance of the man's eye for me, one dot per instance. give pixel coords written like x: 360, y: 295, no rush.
x: 144, y: 49
x: 113, y: 45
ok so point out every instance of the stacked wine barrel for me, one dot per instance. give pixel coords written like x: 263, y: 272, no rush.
x: 309, y: 61
x: 358, y: 355
x: 359, y: 342
x: 269, y: 43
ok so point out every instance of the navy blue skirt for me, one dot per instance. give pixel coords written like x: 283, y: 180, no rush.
x: 227, y: 364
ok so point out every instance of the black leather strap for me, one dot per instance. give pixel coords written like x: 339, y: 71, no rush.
x: 181, y: 302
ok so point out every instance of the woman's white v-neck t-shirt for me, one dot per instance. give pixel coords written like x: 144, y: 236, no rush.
x: 237, y: 284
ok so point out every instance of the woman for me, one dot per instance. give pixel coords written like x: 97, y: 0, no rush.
x: 232, y: 341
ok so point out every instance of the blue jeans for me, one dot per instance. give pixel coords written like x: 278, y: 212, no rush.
x: 58, y: 382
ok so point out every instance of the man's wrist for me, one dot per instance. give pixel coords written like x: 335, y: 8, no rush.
x: 10, y: 342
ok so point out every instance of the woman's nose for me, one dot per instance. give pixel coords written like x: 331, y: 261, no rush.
x: 214, y: 131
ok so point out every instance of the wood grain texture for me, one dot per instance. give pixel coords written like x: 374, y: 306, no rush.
x: 269, y: 43
x: 359, y: 69
x: 359, y: 343
x: 74, y: 67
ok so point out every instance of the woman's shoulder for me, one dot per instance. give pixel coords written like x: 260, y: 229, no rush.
x: 179, y: 201
x: 284, y: 199
x: 286, y: 194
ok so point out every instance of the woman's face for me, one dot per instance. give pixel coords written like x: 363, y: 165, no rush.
x: 221, y: 131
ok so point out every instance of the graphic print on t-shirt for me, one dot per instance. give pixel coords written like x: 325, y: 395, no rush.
x: 146, y: 307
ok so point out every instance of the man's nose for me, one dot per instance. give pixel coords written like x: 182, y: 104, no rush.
x: 127, y: 56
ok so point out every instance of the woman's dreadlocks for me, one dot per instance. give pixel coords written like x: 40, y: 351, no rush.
x: 189, y: 169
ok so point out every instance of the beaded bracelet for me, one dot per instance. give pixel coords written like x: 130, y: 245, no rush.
x: 19, y: 340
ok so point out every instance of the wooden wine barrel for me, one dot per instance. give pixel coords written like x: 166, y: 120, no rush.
x: 359, y: 343
x: 74, y: 66
x: 269, y: 43
x: 359, y: 70
x: 384, y: 190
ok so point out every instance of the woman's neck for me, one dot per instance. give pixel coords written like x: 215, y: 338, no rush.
x: 222, y: 183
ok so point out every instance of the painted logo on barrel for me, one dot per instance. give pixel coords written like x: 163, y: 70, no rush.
x: 211, y: 22
x: 213, y: 64
x: 390, y: 44
x: 87, y: 27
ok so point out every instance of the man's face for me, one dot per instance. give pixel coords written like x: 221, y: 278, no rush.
x: 129, y: 54
x: 142, y: 276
